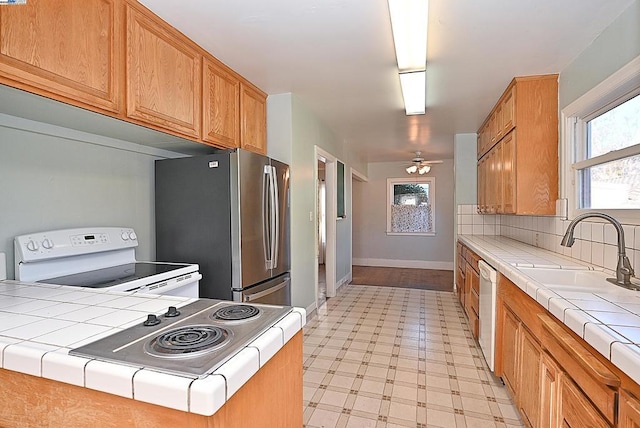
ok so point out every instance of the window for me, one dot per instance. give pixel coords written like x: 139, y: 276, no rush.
x: 411, y: 206
x: 602, y: 146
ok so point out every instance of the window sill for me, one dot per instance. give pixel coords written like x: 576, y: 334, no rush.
x: 410, y: 234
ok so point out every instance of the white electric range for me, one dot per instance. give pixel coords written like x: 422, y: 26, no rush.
x: 99, y: 257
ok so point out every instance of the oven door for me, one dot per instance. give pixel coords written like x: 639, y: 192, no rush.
x: 276, y: 291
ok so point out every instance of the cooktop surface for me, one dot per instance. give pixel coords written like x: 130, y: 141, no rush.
x: 192, y: 341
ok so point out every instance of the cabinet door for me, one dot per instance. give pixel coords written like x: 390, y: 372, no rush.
x: 499, y: 127
x: 575, y: 410
x: 68, y: 50
x: 498, y: 181
x: 163, y: 76
x: 221, y: 105
x: 253, y: 119
x: 508, y: 111
x: 508, y: 173
x: 529, y: 380
x: 628, y: 411
x: 482, y: 178
x: 510, y: 350
x: 549, y: 388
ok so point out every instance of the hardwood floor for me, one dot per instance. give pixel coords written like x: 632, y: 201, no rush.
x: 421, y: 279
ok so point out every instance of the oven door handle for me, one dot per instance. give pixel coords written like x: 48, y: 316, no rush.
x: 259, y: 294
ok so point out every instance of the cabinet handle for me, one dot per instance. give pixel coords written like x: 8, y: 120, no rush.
x: 583, y: 357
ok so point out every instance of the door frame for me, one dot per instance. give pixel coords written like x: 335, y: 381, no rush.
x: 330, y: 163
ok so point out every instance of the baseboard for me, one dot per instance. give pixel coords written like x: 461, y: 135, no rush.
x: 419, y: 264
x: 345, y: 280
x: 311, y: 311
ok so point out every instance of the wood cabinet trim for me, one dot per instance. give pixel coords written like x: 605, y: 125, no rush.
x: 586, y: 360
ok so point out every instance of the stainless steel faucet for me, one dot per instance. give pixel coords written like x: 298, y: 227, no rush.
x: 624, y: 271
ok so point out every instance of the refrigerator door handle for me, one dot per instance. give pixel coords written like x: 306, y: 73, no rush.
x: 266, y: 220
x: 275, y: 241
x: 254, y: 296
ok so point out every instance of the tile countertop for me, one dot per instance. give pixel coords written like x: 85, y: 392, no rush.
x: 610, y: 322
x: 40, y: 323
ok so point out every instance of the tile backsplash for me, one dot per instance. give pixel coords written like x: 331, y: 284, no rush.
x: 595, y: 241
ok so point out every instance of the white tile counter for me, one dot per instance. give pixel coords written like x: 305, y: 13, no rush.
x: 607, y: 318
x: 40, y: 323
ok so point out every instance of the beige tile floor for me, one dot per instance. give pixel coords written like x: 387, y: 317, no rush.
x: 396, y: 357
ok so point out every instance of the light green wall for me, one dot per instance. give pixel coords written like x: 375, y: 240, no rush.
x: 465, y: 166
x: 56, y: 178
x: 288, y: 115
x: 618, y: 44
x: 372, y: 245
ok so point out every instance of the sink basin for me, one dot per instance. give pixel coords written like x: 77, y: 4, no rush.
x: 570, y: 280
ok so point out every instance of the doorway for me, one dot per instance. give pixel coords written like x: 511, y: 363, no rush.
x: 321, y: 297
x: 325, y: 230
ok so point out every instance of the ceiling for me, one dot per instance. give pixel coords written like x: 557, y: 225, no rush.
x: 338, y: 57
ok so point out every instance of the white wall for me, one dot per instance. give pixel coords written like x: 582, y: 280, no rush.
x: 55, y: 178
x: 371, y: 244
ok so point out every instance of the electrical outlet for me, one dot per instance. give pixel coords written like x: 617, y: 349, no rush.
x: 3, y: 266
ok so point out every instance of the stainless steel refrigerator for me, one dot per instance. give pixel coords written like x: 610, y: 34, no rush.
x: 228, y: 212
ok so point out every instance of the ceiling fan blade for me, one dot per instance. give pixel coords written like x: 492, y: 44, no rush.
x: 431, y: 161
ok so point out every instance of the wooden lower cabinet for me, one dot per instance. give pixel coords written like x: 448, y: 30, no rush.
x: 628, y: 411
x: 574, y: 409
x: 550, y: 374
x: 553, y: 376
x: 510, y: 351
x: 271, y: 398
x: 529, y: 387
x: 468, y: 286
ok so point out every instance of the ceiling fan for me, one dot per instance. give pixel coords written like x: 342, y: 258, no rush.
x: 420, y: 165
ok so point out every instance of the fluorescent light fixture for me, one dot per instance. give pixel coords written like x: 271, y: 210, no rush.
x: 411, y: 169
x: 413, y: 86
x: 424, y: 169
x: 409, y: 25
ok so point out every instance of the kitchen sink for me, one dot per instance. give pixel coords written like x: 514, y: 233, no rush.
x: 570, y: 280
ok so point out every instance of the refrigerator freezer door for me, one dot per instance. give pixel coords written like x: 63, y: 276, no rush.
x: 282, y: 257
x: 253, y: 201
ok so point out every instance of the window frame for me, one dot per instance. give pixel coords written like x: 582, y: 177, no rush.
x: 618, y: 88
x: 432, y: 198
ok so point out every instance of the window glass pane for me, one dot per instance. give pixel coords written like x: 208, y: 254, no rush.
x: 616, y: 129
x: 611, y: 185
x: 411, y: 208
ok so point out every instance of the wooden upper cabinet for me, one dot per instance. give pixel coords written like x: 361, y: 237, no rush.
x: 163, y: 75
x: 253, y: 119
x: 508, y: 110
x: 529, y: 165
x: 221, y: 105
x: 68, y: 50
x: 508, y: 148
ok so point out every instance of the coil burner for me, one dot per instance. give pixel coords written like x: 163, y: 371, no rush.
x: 236, y: 313
x: 189, y: 341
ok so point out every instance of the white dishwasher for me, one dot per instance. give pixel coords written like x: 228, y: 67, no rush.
x: 487, y: 315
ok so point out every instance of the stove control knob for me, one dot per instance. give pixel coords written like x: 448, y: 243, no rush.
x: 151, y: 321
x: 172, y: 312
x: 32, y: 245
x: 133, y: 236
x: 47, y: 243
x: 124, y: 236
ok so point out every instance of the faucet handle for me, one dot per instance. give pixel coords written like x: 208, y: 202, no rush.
x: 626, y: 266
